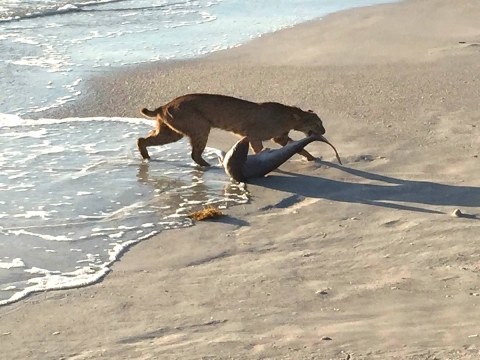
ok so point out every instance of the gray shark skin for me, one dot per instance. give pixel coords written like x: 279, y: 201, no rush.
x: 241, y: 167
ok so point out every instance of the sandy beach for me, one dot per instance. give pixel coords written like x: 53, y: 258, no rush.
x: 361, y: 261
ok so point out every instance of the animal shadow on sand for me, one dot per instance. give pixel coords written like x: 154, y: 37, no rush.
x: 386, y: 195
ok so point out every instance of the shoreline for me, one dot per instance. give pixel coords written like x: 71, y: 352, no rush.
x: 244, y: 65
x: 129, y: 71
x: 366, y: 254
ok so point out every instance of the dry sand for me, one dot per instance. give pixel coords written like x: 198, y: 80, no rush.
x: 366, y: 255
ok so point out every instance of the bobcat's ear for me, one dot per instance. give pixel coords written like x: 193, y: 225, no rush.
x: 296, y: 116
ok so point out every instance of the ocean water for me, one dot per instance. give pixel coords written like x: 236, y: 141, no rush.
x: 71, y: 201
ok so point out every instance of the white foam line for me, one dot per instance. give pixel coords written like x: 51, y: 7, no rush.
x: 79, y: 278
x: 47, y: 285
x: 16, y: 176
x: 84, y: 171
x: 40, y: 271
x: 11, y: 121
x: 108, y: 216
x: 29, y: 214
x: 15, y: 263
x: 50, y: 226
x: 29, y: 41
x: 45, y: 237
x: 119, y: 249
x: 9, y: 288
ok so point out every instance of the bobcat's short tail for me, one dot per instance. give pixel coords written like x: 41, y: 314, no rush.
x: 146, y: 112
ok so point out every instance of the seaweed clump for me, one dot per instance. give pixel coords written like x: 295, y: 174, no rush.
x: 207, y: 213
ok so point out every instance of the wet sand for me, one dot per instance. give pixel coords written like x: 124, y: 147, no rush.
x: 326, y: 262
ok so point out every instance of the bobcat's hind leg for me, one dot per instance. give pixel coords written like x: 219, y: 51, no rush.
x: 161, y: 136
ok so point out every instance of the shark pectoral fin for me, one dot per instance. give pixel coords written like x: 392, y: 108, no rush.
x: 235, y: 159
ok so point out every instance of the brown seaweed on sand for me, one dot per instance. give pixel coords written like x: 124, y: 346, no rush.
x: 207, y: 213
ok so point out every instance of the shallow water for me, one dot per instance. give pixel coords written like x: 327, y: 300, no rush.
x: 71, y: 198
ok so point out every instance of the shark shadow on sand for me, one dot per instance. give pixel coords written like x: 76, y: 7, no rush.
x: 389, y: 194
